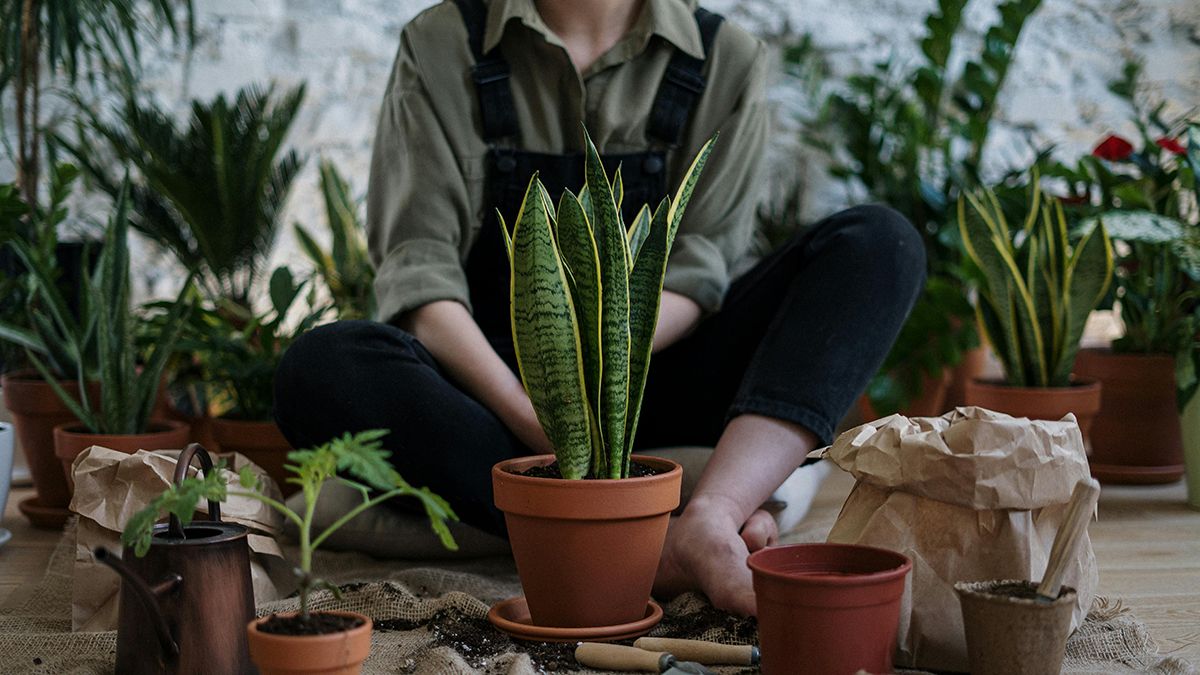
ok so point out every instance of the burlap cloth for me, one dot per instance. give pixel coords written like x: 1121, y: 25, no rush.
x: 431, y: 621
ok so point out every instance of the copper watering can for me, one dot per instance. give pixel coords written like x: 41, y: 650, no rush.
x: 184, y: 605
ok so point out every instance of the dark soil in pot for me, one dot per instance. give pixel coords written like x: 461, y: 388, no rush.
x: 636, y: 470
x: 317, y: 623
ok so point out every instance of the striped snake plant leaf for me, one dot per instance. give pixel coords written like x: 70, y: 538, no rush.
x: 1088, y: 276
x: 684, y: 193
x: 638, y: 231
x: 505, y: 235
x: 645, y: 293
x: 977, y: 230
x: 613, y: 250
x: 546, y: 337
x: 1028, y: 328
x: 618, y: 189
x: 578, y: 249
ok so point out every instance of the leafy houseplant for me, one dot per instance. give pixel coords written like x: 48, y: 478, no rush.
x: 1036, y: 294
x: 585, y: 294
x: 359, y: 456
x: 912, y: 135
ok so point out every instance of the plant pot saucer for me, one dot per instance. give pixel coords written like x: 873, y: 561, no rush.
x: 512, y: 617
x: 44, y: 517
x: 5, y: 535
x: 1119, y: 474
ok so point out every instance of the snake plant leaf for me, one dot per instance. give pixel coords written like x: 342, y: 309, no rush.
x: 618, y: 189
x: 505, y: 235
x: 613, y: 250
x: 1089, y: 274
x: 546, y: 337
x: 638, y: 231
x: 683, y: 194
x: 1037, y: 368
x: 578, y: 249
x: 978, y: 233
x: 645, y: 292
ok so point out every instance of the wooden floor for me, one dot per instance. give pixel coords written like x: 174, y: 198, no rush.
x: 1147, y: 542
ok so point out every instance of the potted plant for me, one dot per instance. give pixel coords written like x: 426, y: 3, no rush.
x: 308, y: 640
x: 1036, y: 292
x: 100, y: 346
x: 587, y: 524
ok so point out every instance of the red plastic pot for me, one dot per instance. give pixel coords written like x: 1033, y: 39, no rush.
x: 586, y: 550
x: 828, y: 609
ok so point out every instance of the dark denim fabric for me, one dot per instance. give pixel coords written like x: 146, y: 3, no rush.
x: 798, y: 338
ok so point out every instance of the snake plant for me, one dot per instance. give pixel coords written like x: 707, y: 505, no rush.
x: 1038, y: 289
x: 585, y: 291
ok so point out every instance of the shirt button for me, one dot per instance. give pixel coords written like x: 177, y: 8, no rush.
x: 506, y: 163
x: 652, y: 165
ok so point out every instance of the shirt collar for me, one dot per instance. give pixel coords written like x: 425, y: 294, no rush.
x: 671, y: 20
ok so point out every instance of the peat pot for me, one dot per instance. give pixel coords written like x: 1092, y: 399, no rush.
x: 340, y: 653
x: 1039, y: 403
x: 71, y: 439
x: 1013, y: 633
x: 184, y: 606
x: 36, y: 410
x: 828, y: 609
x: 1137, y: 437
x: 586, y: 550
x: 261, y: 442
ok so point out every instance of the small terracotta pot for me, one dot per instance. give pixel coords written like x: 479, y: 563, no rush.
x: 931, y: 402
x: 332, y: 654
x: 586, y: 550
x: 1137, y: 437
x: 71, y: 439
x: 1039, y: 403
x: 36, y: 410
x: 261, y: 442
x: 1007, y: 635
x: 828, y: 609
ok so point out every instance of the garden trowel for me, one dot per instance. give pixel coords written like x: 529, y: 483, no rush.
x: 632, y: 659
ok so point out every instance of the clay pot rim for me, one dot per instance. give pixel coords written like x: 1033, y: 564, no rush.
x: 164, y: 426
x: 503, y: 470
x: 1079, y: 385
x: 754, y: 562
x: 978, y: 589
x: 367, y: 625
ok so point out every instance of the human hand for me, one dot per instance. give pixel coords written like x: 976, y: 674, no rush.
x: 706, y: 550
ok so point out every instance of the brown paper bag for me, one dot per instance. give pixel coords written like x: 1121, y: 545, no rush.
x: 968, y: 496
x: 111, y: 486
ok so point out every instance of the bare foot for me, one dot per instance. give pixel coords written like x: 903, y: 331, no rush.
x: 706, y: 550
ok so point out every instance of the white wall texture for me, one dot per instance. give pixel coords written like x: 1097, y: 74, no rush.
x: 1056, y: 93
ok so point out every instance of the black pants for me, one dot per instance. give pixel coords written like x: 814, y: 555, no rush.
x: 798, y: 338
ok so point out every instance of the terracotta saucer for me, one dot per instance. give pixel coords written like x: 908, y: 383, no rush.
x: 512, y: 616
x: 1137, y: 475
x: 45, y: 517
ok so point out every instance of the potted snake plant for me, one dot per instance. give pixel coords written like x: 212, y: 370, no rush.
x: 587, y: 524
x: 1035, y: 296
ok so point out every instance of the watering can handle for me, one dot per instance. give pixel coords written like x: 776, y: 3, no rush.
x: 181, y: 469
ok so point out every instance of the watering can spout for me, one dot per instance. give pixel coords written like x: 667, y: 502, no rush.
x: 148, y: 596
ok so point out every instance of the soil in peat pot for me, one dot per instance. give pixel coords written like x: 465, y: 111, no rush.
x: 317, y: 623
x: 1020, y: 591
x: 636, y: 470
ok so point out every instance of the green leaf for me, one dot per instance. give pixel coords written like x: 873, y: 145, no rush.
x: 645, y: 294
x: 1089, y: 274
x: 283, y: 290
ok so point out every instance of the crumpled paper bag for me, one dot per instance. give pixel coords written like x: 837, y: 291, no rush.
x: 968, y: 496
x: 111, y: 486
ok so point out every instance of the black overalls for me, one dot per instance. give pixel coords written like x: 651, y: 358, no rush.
x: 643, y: 174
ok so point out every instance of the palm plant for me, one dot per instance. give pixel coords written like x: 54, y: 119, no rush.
x: 345, y: 269
x: 70, y: 38
x: 585, y: 296
x: 211, y: 192
x: 1038, y: 289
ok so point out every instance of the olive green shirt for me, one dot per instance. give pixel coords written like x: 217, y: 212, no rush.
x: 426, y: 195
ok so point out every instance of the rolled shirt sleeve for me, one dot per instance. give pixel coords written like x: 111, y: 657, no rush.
x: 718, y: 225
x: 417, y: 198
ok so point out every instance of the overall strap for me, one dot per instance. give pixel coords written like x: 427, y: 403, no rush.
x: 682, y: 85
x: 490, y: 73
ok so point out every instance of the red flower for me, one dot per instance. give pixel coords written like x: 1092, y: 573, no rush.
x: 1171, y: 145
x: 1113, y: 148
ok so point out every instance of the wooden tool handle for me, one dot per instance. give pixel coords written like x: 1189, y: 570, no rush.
x: 708, y: 653
x: 1079, y: 513
x: 619, y: 657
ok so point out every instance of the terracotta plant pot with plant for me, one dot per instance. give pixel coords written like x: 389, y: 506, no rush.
x: 587, y: 525
x: 73, y: 438
x: 1036, y: 293
x: 307, y: 641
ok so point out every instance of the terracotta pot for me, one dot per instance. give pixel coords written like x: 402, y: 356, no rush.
x: 36, y: 410
x: 1137, y: 438
x: 331, y: 654
x: 71, y: 439
x: 586, y: 550
x: 931, y: 403
x: 973, y: 367
x: 1191, y: 450
x: 1006, y: 634
x: 261, y: 442
x: 828, y: 609
x: 1039, y: 403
